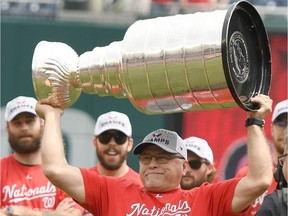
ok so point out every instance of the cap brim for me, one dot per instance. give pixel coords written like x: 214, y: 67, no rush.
x: 199, y: 154
x: 103, y: 129
x: 278, y: 114
x: 195, y: 152
x: 12, y: 116
x: 141, y: 146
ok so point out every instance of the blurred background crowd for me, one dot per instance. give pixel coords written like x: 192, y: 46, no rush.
x: 131, y: 8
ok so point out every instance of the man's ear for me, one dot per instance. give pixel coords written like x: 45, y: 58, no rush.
x: 209, y: 169
x: 94, y: 141
x: 185, y: 167
x: 42, y: 121
x: 130, y: 144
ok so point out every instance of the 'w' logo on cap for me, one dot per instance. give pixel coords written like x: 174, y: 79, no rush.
x: 157, y: 134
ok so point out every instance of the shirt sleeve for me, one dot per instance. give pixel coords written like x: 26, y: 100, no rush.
x: 219, y: 196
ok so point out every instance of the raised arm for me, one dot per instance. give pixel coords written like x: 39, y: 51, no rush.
x: 54, y: 163
x: 260, y: 172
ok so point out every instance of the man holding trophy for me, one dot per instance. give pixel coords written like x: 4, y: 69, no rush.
x: 163, y: 69
x: 163, y: 161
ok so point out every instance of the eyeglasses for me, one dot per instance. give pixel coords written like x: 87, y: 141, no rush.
x: 119, y: 137
x: 160, y: 159
x: 281, y: 159
x: 281, y: 123
x: 196, y: 164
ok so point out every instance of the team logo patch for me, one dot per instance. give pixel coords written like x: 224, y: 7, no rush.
x: 238, y: 56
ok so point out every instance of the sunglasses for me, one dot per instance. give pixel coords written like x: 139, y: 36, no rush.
x: 196, y: 164
x: 119, y: 137
x: 281, y: 123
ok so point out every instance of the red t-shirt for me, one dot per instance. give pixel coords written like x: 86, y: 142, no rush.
x: 23, y: 185
x: 252, y: 210
x: 131, y: 175
x: 117, y: 196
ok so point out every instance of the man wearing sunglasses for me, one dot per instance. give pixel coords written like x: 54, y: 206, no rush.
x: 113, y: 141
x: 200, y: 159
x: 278, y: 129
x: 163, y: 161
x: 275, y: 203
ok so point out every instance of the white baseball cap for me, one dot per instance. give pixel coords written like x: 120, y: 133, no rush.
x: 200, y: 147
x: 169, y: 141
x: 113, y: 121
x: 19, y: 105
x: 281, y: 107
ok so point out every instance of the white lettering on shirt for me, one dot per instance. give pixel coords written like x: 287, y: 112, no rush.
x: 259, y: 200
x: 17, y: 193
x: 182, y: 208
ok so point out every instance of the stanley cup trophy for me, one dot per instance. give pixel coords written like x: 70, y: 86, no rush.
x: 181, y: 63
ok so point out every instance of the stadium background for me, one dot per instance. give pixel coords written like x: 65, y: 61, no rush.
x: 223, y: 129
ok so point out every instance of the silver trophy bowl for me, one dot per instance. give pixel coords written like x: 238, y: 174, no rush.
x: 181, y: 63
